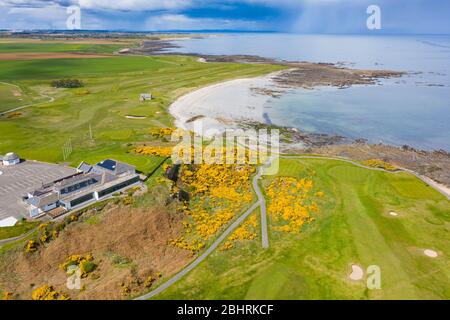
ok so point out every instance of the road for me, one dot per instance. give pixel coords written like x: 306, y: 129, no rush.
x: 10, y: 240
x: 262, y: 207
x: 216, y: 243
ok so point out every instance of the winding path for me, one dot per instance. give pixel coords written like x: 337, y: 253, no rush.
x: 51, y: 99
x: 438, y: 187
x: 216, y: 243
x: 23, y: 236
x: 262, y: 205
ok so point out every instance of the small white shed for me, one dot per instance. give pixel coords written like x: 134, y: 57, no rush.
x: 10, y: 159
x: 145, y: 97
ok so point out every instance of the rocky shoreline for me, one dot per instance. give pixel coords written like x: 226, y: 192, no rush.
x: 307, y: 75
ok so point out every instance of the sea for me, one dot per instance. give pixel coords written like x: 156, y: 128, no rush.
x: 413, y: 110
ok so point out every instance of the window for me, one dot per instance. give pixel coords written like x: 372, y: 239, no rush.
x: 81, y: 200
x: 78, y: 186
x: 117, y: 187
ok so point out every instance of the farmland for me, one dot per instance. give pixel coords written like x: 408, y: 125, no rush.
x: 18, y: 47
x: 111, y: 92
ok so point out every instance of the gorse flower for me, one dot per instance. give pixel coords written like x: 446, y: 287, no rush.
x: 245, y: 232
x: 374, y: 163
x: 85, y: 263
x: 47, y: 292
x: 291, y: 204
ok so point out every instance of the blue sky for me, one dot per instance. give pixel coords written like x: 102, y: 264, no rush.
x: 300, y: 16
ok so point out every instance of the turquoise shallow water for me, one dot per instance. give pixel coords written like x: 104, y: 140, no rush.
x: 413, y: 110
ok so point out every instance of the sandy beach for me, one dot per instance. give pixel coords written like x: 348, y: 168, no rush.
x: 223, y: 106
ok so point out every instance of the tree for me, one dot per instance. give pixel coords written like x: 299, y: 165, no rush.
x: 67, y: 83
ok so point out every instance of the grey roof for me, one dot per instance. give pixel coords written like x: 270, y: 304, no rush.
x: 11, y: 157
x: 123, y: 167
x: 115, y: 167
x: 76, y: 179
x: 84, y: 167
x: 44, y: 200
x: 103, y: 173
x: 39, y: 192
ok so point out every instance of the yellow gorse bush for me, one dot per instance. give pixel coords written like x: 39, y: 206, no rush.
x: 245, y: 232
x: 375, y: 163
x: 31, y: 246
x: 219, y: 192
x: 47, y: 292
x: 291, y: 203
x: 154, y: 151
x: 7, y: 295
x: 85, y: 263
x: 162, y: 132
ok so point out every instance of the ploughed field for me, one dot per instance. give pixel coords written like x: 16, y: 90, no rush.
x: 355, y: 225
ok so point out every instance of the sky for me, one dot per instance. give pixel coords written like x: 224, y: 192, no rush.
x: 296, y: 16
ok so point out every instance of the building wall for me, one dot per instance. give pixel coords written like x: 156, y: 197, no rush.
x: 117, y: 188
x: 87, y: 198
x: 11, y: 163
x: 49, y: 207
x: 34, y: 212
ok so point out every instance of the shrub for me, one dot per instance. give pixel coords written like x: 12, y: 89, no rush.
x: 148, y: 282
x: 47, y: 292
x: 31, y: 246
x: 7, y: 295
x: 119, y: 260
x: 127, y: 200
x: 375, y: 163
x: 87, y: 267
x: 85, y: 263
x: 67, y: 83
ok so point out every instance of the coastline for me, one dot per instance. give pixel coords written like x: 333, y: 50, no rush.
x: 224, y: 105
x: 240, y: 104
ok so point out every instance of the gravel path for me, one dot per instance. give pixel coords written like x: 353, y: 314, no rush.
x: 216, y: 243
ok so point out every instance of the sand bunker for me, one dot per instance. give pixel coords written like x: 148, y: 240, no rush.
x: 136, y: 117
x: 430, y: 253
x: 394, y: 214
x: 357, y: 273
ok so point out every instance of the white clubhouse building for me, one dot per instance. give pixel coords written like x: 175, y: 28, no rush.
x: 90, y: 184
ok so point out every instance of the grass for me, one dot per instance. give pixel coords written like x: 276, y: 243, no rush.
x: 354, y: 227
x: 15, y: 47
x: 13, y: 96
x: 111, y: 93
x: 20, y: 228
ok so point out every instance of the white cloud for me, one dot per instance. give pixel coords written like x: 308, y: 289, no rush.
x: 49, y: 17
x: 183, y: 22
x: 136, y: 5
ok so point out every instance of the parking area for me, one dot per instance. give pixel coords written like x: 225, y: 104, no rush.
x: 16, y: 181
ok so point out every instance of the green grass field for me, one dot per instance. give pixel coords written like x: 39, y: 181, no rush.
x: 20, y: 228
x: 111, y: 93
x: 17, y: 47
x: 353, y: 227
